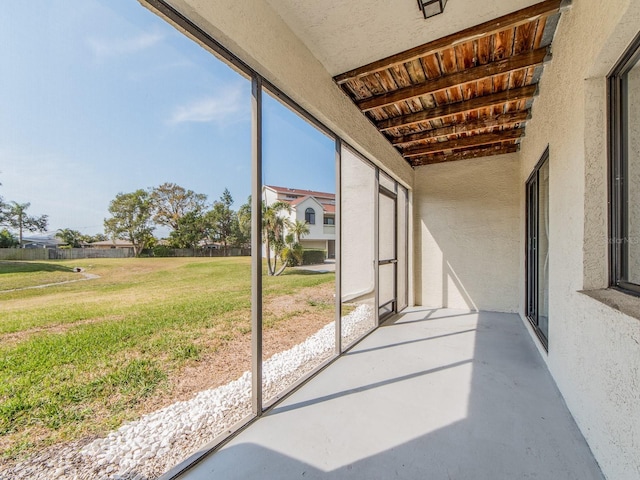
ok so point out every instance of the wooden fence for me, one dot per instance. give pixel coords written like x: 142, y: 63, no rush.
x: 79, y: 253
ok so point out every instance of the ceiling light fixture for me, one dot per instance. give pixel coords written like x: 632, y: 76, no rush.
x: 431, y: 7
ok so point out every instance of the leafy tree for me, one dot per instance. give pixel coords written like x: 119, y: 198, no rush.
x: 243, y: 232
x: 131, y: 215
x: 98, y: 237
x: 3, y: 208
x: 70, y: 237
x: 223, y: 220
x: 3, y: 211
x: 191, y: 228
x: 15, y: 216
x: 7, y: 240
x: 171, y: 202
x: 274, y: 226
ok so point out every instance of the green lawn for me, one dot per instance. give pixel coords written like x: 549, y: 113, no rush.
x: 79, y: 358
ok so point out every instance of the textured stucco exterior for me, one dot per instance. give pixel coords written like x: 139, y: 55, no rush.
x: 594, y: 350
x: 466, y: 218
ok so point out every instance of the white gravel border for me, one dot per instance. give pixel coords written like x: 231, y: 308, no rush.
x: 147, y: 447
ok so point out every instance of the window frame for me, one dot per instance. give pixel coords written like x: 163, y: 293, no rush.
x: 618, y: 156
x: 310, y: 216
x: 532, y: 232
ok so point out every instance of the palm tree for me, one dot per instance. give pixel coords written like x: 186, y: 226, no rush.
x: 299, y: 230
x: 70, y: 237
x: 17, y: 218
x: 274, y: 226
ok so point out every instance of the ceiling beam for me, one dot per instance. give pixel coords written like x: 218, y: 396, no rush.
x: 429, y: 87
x: 548, y: 7
x: 471, y: 141
x: 500, y: 120
x: 465, y: 155
x: 457, y: 108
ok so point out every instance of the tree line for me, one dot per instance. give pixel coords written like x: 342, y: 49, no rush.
x: 191, y: 221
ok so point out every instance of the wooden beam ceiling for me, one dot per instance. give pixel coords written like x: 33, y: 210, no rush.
x: 463, y: 96
x: 437, y: 113
x: 466, y: 154
x: 509, y: 120
x: 472, y: 141
x: 518, y: 62
x: 499, y: 24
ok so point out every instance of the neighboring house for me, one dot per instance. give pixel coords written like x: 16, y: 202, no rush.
x: 41, y: 242
x: 317, y: 209
x: 117, y: 243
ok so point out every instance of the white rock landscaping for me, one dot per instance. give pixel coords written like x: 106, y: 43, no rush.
x: 148, y: 447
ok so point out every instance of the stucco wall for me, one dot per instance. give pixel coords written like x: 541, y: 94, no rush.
x: 594, y: 350
x: 466, y: 234
x: 316, y: 230
x: 256, y: 34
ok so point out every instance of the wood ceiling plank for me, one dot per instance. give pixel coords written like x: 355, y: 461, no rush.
x: 458, y: 108
x: 490, y: 27
x: 387, y: 81
x: 464, y: 155
x: 481, y: 72
x: 484, y: 50
x: 502, y: 45
x: 401, y: 76
x: 524, y: 37
x: 508, y: 119
x: 470, y: 141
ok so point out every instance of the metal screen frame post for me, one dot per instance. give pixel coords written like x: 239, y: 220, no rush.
x: 376, y: 244
x: 338, y: 245
x: 256, y: 245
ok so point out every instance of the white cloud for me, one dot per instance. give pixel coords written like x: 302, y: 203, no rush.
x: 227, y: 105
x: 117, y: 47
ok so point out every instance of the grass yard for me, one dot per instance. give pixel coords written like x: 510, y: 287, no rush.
x: 77, y: 359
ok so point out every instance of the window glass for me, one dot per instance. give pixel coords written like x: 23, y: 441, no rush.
x: 403, y: 248
x: 358, y: 193
x: 631, y: 89
x: 135, y: 142
x: 310, y: 216
x: 624, y: 148
x: 298, y: 286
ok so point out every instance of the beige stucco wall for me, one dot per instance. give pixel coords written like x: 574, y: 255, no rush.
x: 594, y: 350
x: 466, y: 217
x: 256, y: 34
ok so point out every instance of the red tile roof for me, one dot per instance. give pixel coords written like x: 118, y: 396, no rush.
x: 296, y: 191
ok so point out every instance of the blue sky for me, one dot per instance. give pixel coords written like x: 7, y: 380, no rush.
x: 102, y: 97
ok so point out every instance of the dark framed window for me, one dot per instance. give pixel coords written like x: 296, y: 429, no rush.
x: 310, y: 216
x: 537, y: 264
x: 624, y: 171
x: 329, y: 221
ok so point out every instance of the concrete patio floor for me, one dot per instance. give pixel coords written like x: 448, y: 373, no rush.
x: 433, y: 394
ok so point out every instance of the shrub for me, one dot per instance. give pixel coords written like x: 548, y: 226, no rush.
x: 313, y: 256
x: 162, y: 251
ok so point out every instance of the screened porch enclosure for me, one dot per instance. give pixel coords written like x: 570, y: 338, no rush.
x: 468, y: 245
x: 433, y: 393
